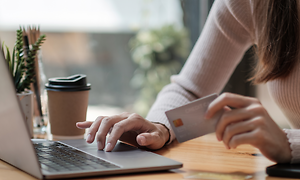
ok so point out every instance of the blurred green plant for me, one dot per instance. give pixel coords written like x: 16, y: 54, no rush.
x: 159, y: 53
x: 21, y: 62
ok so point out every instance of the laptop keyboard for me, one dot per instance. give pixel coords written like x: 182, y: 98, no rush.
x: 57, y: 157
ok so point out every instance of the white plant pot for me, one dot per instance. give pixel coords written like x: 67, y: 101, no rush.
x: 26, y: 101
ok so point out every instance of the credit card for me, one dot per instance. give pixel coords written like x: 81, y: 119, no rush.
x: 188, y: 121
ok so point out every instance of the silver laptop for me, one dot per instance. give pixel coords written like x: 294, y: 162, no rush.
x: 71, y: 158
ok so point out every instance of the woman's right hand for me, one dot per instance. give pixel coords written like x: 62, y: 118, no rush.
x: 128, y: 127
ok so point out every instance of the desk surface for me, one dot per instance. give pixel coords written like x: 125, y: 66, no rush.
x: 202, y: 158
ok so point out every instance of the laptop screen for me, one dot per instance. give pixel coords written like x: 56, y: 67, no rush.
x: 15, y: 144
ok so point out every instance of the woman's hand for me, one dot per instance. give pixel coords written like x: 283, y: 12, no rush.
x: 131, y: 128
x: 249, y: 123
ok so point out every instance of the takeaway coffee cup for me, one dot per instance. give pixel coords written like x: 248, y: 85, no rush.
x: 67, y: 104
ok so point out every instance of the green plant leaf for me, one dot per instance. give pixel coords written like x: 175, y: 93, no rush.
x: 8, y: 59
x: 30, y: 62
x: 17, y: 78
x: 22, y: 67
x: 13, y: 62
x: 2, y: 47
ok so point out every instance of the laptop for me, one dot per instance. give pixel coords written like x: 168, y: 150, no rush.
x: 45, y: 159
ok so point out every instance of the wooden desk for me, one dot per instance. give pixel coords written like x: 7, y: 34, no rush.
x: 202, y: 158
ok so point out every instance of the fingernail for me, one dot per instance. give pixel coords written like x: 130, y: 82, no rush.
x: 99, y: 144
x: 88, y: 138
x: 108, y: 147
x: 142, y: 140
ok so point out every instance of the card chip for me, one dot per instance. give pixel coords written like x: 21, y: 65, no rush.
x: 178, y: 122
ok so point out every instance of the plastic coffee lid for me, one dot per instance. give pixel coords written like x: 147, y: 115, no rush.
x: 75, y: 82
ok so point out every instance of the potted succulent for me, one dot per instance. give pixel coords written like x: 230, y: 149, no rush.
x: 21, y: 64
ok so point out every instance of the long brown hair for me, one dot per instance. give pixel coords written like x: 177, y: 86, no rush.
x: 278, y: 39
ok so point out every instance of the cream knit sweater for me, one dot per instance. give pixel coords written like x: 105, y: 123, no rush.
x: 229, y: 31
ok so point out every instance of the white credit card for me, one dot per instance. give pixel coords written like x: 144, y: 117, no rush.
x: 188, y: 121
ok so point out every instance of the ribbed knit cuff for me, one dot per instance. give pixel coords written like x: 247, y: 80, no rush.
x: 293, y: 136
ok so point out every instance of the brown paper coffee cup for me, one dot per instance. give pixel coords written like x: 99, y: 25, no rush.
x: 67, y: 104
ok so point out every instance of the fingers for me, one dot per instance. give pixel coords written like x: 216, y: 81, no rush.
x: 248, y: 122
x: 154, y: 139
x: 143, y: 139
x: 117, y: 131
x: 133, y: 123
x: 235, y: 129
x: 151, y: 140
x: 106, y: 124
x: 237, y: 122
x: 254, y: 111
x: 93, y: 129
x: 244, y: 138
x: 230, y: 117
x: 84, y: 125
x: 272, y: 144
x: 228, y: 99
x: 253, y: 128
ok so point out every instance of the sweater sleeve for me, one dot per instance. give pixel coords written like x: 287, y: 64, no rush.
x: 293, y: 136
x: 227, y: 34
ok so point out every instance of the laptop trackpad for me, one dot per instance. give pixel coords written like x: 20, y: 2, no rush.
x: 122, y: 154
x: 83, y: 145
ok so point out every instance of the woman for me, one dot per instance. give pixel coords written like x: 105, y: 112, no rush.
x: 231, y: 28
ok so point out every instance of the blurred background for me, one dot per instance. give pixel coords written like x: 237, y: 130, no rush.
x: 128, y: 49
